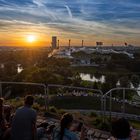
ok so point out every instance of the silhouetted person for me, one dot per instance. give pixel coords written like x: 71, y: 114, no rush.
x: 24, y: 121
x: 7, y: 112
x: 121, y: 129
x: 2, y: 119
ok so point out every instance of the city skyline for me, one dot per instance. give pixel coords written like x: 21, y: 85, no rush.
x: 112, y: 22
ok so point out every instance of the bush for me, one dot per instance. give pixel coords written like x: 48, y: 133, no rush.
x: 15, y: 103
x: 40, y: 101
x: 53, y: 109
x: 93, y: 114
x: 61, y: 111
x: 99, y: 124
x: 36, y: 106
x: 105, y: 126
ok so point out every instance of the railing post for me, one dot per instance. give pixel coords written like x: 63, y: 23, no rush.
x: 102, y: 102
x: 104, y: 107
x: 110, y: 105
x: 0, y: 89
x: 123, y: 102
x: 103, y: 110
x: 48, y: 94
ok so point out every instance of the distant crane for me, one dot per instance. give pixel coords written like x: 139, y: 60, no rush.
x: 82, y: 43
x: 58, y: 44
x: 69, y: 43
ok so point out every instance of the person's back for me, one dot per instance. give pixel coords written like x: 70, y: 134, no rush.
x: 2, y: 119
x: 23, y: 125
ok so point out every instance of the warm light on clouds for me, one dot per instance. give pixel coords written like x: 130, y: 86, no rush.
x: 113, y: 22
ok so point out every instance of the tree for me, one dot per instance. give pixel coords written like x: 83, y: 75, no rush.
x: 111, y: 79
x: 135, y: 80
x: 124, y: 82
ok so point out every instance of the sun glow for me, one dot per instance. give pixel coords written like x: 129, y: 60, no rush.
x: 31, y: 38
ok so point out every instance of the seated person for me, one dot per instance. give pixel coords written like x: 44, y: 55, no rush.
x: 24, y: 121
x: 65, y: 133
x: 121, y: 129
x: 7, y: 112
x: 3, y: 126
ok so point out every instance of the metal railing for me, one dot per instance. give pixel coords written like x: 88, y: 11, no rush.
x: 110, y: 92
x: 78, y: 88
x: 26, y: 83
x: 103, y: 97
x: 47, y: 90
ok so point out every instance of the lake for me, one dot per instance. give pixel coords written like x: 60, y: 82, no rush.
x: 88, y: 77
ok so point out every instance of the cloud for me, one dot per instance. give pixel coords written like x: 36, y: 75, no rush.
x: 69, y: 11
x: 39, y: 3
x: 83, y: 17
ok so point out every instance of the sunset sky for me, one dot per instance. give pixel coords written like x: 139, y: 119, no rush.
x: 110, y: 21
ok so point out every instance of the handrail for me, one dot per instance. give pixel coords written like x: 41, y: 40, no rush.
x: 23, y: 83
x: 102, y: 98
x: 120, y: 88
x: 110, y: 92
x: 80, y: 88
x: 74, y: 87
x: 26, y: 83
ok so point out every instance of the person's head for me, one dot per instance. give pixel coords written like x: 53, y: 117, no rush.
x: 121, y: 129
x: 29, y: 100
x: 66, y: 122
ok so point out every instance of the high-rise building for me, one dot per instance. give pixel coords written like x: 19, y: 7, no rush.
x: 54, y: 42
x: 99, y: 44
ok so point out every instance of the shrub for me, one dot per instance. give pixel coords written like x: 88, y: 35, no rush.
x: 53, y: 109
x: 40, y: 101
x: 99, y: 124
x: 93, y: 114
x: 15, y: 103
x: 61, y: 111
x: 36, y: 106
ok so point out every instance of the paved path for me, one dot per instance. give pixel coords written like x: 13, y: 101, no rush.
x: 107, y: 113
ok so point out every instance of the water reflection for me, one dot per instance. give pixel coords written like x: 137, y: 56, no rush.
x: 102, y: 79
x: 88, y: 77
x: 19, y: 68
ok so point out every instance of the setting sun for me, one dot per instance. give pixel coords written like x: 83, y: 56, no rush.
x: 31, y: 38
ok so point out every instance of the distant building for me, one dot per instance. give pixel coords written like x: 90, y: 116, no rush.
x: 54, y: 42
x: 99, y: 44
